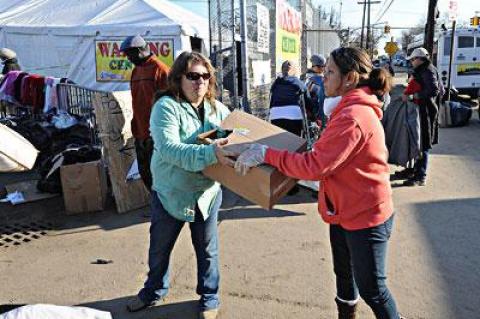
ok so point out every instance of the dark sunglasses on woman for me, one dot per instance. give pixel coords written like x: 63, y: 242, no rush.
x: 195, y: 76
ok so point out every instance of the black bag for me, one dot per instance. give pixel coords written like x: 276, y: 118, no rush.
x: 460, y: 113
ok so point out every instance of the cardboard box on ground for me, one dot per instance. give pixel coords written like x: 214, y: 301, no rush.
x: 84, y: 187
x: 263, y: 185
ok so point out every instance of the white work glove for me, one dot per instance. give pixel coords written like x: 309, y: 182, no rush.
x: 253, y: 156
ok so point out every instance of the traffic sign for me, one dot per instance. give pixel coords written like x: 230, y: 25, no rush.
x: 391, y: 48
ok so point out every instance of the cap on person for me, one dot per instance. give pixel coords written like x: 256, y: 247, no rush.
x: 288, y: 65
x: 135, y: 41
x: 318, y: 60
x: 7, y: 54
x: 418, y: 53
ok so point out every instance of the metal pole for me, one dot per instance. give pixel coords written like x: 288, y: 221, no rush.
x: 243, y: 37
x: 368, y: 27
x: 209, y: 27
x: 452, y: 42
x: 430, y: 27
x: 234, y: 61
x: 363, y: 24
x: 219, y: 56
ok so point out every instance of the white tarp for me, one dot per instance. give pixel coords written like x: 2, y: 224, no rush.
x: 16, y: 153
x: 57, y: 37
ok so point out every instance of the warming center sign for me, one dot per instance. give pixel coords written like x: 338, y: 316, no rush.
x: 113, y: 66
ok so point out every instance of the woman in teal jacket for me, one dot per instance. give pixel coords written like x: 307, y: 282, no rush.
x: 180, y: 193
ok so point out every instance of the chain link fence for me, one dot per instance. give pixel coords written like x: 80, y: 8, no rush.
x: 261, y: 26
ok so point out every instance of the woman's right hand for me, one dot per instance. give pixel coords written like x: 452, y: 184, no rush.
x: 224, y: 156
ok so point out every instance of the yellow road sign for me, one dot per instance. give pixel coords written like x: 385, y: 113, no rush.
x: 391, y: 48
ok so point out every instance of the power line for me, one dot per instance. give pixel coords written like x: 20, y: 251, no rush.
x: 385, y: 11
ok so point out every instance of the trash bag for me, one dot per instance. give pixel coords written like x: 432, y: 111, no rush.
x: 460, y: 113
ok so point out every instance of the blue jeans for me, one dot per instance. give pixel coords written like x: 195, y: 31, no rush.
x: 421, y: 165
x: 359, y: 265
x: 164, y: 231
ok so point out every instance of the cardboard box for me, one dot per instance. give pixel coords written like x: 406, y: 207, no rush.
x: 84, y: 187
x: 263, y: 185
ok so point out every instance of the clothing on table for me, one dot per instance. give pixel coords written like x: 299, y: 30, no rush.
x: 349, y: 156
x: 51, y: 95
x: 18, y: 86
x: 7, y: 87
x: 177, y: 158
x: 146, y: 79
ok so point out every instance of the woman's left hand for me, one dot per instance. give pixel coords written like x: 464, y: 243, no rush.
x: 224, y: 156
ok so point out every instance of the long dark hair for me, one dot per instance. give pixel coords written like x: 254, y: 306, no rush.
x: 181, y: 66
x: 350, y: 59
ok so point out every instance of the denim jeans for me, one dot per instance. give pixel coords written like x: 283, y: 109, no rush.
x: 421, y: 165
x: 359, y: 265
x: 164, y: 231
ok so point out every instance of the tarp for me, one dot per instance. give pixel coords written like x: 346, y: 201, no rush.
x: 59, y: 38
x: 16, y: 153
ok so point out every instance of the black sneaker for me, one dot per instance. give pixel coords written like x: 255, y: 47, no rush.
x: 415, y: 182
x: 136, y: 304
x: 406, y: 173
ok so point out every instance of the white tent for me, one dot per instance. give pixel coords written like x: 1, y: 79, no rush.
x: 61, y: 38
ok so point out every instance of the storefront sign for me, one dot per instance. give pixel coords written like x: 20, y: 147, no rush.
x: 113, y: 66
x: 288, y: 31
x: 263, y: 29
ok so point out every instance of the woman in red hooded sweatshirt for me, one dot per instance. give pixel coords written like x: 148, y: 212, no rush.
x: 355, y: 198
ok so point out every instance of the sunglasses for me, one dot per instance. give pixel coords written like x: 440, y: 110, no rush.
x: 195, y: 76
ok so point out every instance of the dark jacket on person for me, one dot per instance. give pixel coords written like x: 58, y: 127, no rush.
x: 10, y: 65
x: 289, y: 90
x: 426, y: 75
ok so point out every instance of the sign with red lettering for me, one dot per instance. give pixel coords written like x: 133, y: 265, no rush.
x: 113, y: 66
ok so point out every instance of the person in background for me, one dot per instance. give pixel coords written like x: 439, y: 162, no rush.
x: 9, y: 60
x: 424, y: 85
x: 149, y: 75
x: 287, y: 95
x: 355, y: 197
x: 316, y: 89
x: 180, y: 193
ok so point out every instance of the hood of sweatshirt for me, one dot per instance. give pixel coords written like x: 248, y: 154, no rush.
x: 362, y: 96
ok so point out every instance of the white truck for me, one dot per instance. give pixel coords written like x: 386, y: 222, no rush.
x: 465, y: 74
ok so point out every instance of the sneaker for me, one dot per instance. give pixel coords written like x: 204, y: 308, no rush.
x: 403, y: 174
x: 208, y: 314
x: 137, y: 304
x: 415, y: 182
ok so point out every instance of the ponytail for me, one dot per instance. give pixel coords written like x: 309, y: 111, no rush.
x: 379, y: 81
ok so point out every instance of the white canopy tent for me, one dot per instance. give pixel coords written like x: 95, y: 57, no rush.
x: 58, y: 37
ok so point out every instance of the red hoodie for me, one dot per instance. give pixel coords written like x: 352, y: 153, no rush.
x: 350, y: 160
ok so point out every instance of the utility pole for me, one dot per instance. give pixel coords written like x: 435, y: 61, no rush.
x: 367, y: 6
x: 368, y: 44
x: 430, y: 26
x: 233, y: 56
x: 243, y: 37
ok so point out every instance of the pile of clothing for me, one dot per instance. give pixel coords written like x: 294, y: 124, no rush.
x: 37, y: 91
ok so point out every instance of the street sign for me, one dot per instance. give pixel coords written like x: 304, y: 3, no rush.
x: 391, y: 48
x: 452, y: 10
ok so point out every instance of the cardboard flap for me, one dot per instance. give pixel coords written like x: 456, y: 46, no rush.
x: 248, y: 128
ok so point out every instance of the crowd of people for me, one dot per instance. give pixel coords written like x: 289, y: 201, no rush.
x: 343, y: 93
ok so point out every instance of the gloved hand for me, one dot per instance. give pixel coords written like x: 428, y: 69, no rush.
x: 252, y: 157
x: 223, y: 156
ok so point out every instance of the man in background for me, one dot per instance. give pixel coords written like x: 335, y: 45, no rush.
x: 148, y: 76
